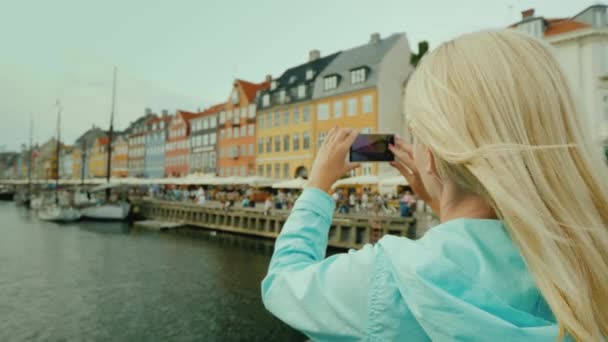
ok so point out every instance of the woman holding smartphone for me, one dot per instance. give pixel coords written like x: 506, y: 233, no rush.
x: 522, y: 194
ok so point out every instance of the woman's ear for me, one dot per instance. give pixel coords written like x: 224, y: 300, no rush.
x: 431, y: 166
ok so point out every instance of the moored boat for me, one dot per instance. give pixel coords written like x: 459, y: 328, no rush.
x: 107, y: 211
x: 56, y: 213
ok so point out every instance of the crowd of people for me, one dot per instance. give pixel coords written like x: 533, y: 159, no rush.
x: 367, y: 201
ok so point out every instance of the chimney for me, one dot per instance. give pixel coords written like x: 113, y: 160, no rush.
x: 374, y: 38
x: 165, y: 113
x: 268, y: 78
x: 529, y: 13
x: 313, y: 55
x: 148, y: 111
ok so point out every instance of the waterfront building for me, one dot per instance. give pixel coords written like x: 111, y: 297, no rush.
x: 285, y: 122
x: 177, y: 149
x: 236, y: 128
x: 203, y: 140
x: 98, y: 162
x: 47, y: 160
x: 82, y: 151
x: 156, y: 136
x: 120, y: 157
x: 137, y: 145
x: 581, y: 46
x: 362, y: 88
x: 65, y: 162
x: 8, y: 165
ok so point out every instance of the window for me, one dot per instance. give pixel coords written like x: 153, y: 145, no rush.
x: 296, y: 116
x: 268, y: 145
x: 277, y: 170
x: 212, y: 159
x: 285, y: 170
x: 277, y: 119
x: 243, y: 112
x: 358, y: 75
x: 282, y: 96
x: 322, y: 111
x: 321, y: 139
x: 352, y: 106
x: 205, y: 123
x: 338, y: 109
x: 367, y: 104
x: 306, y: 140
x: 261, y: 170
x: 251, y: 150
x: 286, y: 117
x: 205, y: 139
x: 265, y: 100
x: 273, y: 85
x: 277, y: 143
x: 222, y: 117
x: 212, y: 122
x: 235, y: 132
x: 286, y: 143
x: 229, y: 115
x: 251, y: 111
x: 228, y: 133
x: 268, y: 170
x: 235, y: 171
x: 261, y: 121
x: 296, y: 141
x: 309, y: 74
x: 260, y: 145
x: 269, y: 120
x: 306, y: 114
x: 251, y: 130
x: 301, y: 91
x: 243, y: 150
x: 212, y: 138
x: 330, y: 82
x: 237, y: 115
x: 222, y: 134
x: 243, y: 131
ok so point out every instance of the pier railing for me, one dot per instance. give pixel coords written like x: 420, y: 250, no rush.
x: 345, y: 232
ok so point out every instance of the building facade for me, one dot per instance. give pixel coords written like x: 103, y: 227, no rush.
x: 177, y: 150
x: 285, y: 122
x: 65, y: 162
x: 98, y: 162
x: 137, y: 145
x: 156, y: 136
x: 581, y: 46
x: 362, y: 88
x: 203, y: 140
x: 47, y: 160
x: 120, y: 157
x: 82, y: 151
x: 237, y: 132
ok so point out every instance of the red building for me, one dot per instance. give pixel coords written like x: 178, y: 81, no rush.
x: 236, y: 143
x: 177, y: 148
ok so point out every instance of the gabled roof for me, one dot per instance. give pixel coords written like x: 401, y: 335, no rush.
x: 297, y: 75
x: 251, y: 89
x: 103, y: 140
x: 212, y: 110
x: 368, y: 56
x: 186, y: 115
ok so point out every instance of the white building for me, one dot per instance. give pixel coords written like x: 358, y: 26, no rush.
x: 581, y: 46
x: 65, y: 162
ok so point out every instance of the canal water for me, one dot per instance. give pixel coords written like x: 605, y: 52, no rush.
x: 106, y: 282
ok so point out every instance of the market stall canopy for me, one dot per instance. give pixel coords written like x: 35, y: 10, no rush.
x: 393, y: 181
x: 297, y: 183
x: 357, y: 180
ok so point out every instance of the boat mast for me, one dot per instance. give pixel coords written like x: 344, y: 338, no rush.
x: 29, y: 159
x: 57, y: 149
x: 110, y: 133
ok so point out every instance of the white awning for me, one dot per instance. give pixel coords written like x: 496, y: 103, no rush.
x: 357, y: 180
x: 297, y: 183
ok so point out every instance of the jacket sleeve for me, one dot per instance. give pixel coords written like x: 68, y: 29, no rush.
x: 323, y: 298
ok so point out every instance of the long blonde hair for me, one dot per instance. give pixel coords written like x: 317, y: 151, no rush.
x: 495, y: 109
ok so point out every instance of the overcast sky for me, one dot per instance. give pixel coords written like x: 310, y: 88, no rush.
x: 185, y: 54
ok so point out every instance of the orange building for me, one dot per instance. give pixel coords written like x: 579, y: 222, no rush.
x: 237, y: 131
x: 99, y: 158
x: 177, y: 147
x: 120, y: 156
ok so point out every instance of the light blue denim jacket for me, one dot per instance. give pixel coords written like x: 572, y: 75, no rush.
x: 463, y: 281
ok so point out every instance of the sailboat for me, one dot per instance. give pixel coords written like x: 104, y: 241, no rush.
x: 58, y: 212
x: 24, y: 197
x: 108, y: 211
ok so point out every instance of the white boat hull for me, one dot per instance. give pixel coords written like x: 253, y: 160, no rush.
x: 107, y: 212
x: 59, y: 214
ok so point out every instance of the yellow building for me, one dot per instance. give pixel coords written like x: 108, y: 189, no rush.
x: 285, y: 142
x: 362, y: 88
x: 98, y: 161
x: 76, y: 163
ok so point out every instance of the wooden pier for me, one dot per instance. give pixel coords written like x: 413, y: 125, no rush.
x: 345, y: 232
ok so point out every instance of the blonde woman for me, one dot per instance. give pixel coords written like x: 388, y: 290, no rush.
x: 521, y: 253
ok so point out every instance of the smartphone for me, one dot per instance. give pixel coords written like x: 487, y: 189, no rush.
x: 372, y: 148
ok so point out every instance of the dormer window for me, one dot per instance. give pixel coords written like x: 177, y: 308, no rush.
x: 282, y: 96
x: 301, y: 91
x: 309, y: 74
x: 265, y: 100
x: 273, y: 85
x: 292, y: 79
x: 358, y: 75
x: 330, y: 82
x: 235, y: 96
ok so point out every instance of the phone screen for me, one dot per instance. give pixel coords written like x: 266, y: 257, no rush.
x: 372, y: 148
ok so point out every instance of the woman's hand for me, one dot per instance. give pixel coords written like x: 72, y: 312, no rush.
x: 330, y: 163
x: 404, y: 162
